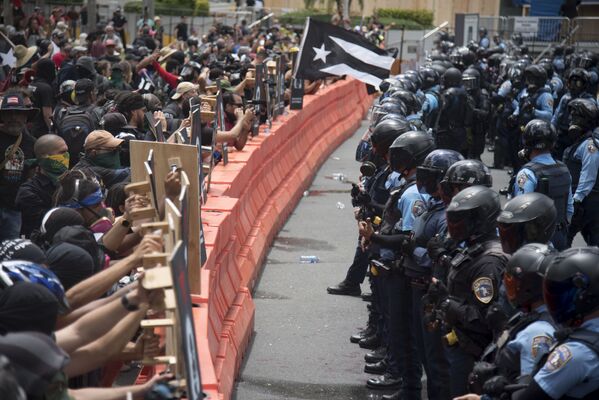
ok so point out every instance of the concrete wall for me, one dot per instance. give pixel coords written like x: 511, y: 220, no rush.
x: 444, y: 10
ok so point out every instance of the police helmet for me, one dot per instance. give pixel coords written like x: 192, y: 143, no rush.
x: 451, y: 78
x: 547, y: 64
x: 429, y: 77
x: 386, y: 84
x: 463, y: 174
x: 409, y: 100
x: 558, y: 50
x: 539, y: 135
x: 578, y: 81
x: 466, y: 57
x: 433, y: 168
x: 409, y: 150
x: 386, y: 132
x: 571, y: 285
x: 584, y: 114
x: 523, y: 276
x: 405, y: 83
x: 387, y: 106
x: 516, y: 76
x: 482, y: 31
x: 473, y: 212
x: 528, y: 218
x: 517, y: 38
x: 471, y: 79
x: 535, y: 77
x: 414, y: 77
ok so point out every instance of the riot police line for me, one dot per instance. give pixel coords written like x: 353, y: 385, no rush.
x: 489, y: 302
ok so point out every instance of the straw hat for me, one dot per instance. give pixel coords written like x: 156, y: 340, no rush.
x: 24, y: 54
x: 165, y: 53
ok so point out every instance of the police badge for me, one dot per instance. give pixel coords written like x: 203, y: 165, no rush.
x: 483, y: 289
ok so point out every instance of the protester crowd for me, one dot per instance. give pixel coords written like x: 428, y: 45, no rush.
x: 490, y: 302
x: 70, y: 301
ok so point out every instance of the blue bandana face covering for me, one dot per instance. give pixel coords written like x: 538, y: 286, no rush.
x: 93, y: 199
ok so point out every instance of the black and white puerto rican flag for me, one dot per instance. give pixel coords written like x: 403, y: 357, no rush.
x: 330, y: 50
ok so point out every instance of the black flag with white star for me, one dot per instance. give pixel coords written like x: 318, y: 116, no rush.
x: 330, y: 50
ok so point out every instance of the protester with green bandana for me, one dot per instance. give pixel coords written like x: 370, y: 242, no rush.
x: 102, y: 156
x: 34, y: 197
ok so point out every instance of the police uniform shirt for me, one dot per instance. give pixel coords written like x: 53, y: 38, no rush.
x: 393, y: 180
x: 543, y: 105
x: 504, y: 91
x: 533, y: 343
x: 484, y: 42
x: 526, y: 181
x: 427, y: 226
x: 411, y: 205
x: 430, y: 103
x: 556, y: 85
x: 571, y: 368
x: 588, y: 154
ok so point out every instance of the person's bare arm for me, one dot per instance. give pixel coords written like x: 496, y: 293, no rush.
x: 47, y: 114
x: 118, y: 393
x: 94, y: 355
x: 114, y: 239
x: 98, y: 284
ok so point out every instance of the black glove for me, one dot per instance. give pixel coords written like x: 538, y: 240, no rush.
x: 436, y: 247
x: 578, y: 216
x: 481, y: 372
x: 512, y: 121
x: 527, y: 108
x: 495, y: 387
x: 450, y: 311
x: 496, y: 318
x: 407, y: 246
x: 437, y: 292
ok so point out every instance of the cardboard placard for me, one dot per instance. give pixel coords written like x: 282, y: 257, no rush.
x: 188, y: 155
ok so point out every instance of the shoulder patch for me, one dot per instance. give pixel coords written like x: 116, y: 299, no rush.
x: 558, y: 358
x: 591, y: 147
x: 522, y: 179
x: 540, y: 345
x: 483, y: 289
x: 418, y: 208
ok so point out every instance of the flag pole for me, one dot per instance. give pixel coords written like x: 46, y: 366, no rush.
x: 7, y: 39
x: 299, y: 55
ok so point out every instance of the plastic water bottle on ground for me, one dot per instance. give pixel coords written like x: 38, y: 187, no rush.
x: 309, y: 259
x: 338, y: 176
x: 340, y: 205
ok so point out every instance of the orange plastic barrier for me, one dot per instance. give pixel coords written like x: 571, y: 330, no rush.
x: 249, y: 201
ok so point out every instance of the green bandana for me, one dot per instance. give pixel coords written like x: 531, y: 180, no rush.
x: 111, y: 160
x: 53, y: 168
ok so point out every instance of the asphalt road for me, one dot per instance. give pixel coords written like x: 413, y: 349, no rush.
x: 301, y: 347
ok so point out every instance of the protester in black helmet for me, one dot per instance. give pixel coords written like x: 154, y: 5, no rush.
x: 545, y: 175
x: 473, y: 280
x: 582, y: 159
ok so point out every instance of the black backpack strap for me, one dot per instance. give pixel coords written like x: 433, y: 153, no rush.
x: 588, y: 338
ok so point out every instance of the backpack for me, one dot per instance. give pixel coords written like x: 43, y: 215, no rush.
x: 74, y: 127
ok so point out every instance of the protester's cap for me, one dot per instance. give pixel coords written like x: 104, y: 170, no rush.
x: 83, y: 87
x: 70, y: 263
x: 183, y: 88
x: 118, y: 9
x: 157, y: 18
x: 21, y: 249
x: 66, y: 87
x: 27, y: 306
x: 113, y: 122
x: 15, y: 102
x: 225, y: 85
x: 58, y: 32
x: 109, y: 27
x: 79, y: 49
x: 24, y: 54
x: 36, y: 359
x: 100, y: 139
x: 62, y: 26
x: 117, y: 67
x: 165, y: 53
x: 57, y: 218
x: 87, y: 63
x: 109, y: 42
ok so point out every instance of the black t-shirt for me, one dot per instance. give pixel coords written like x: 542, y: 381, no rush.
x: 119, y: 21
x: 13, y: 174
x: 43, y: 96
x: 181, y: 31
